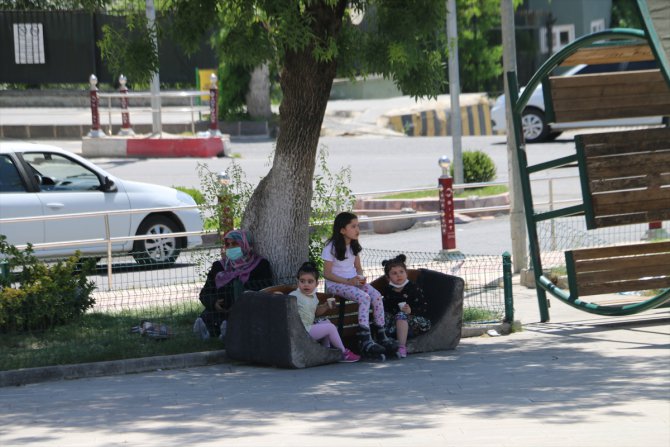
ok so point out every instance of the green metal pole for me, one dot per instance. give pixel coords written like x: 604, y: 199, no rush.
x: 507, y: 284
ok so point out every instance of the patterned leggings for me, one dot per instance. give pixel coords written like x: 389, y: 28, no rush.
x: 365, y: 296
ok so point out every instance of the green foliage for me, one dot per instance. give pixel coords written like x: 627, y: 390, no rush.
x: 36, y: 295
x: 238, y: 192
x: 480, y: 59
x: 48, y: 5
x: 331, y: 195
x: 478, y: 167
x: 132, y: 53
x: 625, y: 14
x: 233, y: 86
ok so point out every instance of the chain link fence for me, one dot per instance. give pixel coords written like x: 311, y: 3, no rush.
x: 150, y: 310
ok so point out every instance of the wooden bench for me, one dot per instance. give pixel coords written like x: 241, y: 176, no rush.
x: 264, y: 327
x: 625, y: 180
x: 608, y: 96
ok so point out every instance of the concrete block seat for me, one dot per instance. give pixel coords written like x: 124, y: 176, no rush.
x: 445, y: 309
x: 264, y: 327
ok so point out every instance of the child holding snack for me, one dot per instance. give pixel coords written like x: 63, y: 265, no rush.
x: 405, y: 308
x: 308, y: 307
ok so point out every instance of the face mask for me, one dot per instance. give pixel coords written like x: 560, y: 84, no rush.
x: 234, y: 253
x: 398, y: 286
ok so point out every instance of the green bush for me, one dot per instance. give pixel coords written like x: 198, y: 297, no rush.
x: 478, y: 167
x: 35, y: 295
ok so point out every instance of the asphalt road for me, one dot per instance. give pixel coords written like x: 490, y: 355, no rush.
x: 377, y: 163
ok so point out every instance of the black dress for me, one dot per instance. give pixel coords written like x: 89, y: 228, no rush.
x: 259, y: 278
x: 413, y: 295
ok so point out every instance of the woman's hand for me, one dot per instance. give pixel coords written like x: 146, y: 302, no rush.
x: 218, y: 305
x: 407, y: 309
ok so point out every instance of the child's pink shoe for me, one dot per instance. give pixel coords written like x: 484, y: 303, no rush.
x: 402, y: 352
x: 349, y: 357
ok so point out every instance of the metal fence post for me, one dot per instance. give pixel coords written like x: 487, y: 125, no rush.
x: 446, y: 188
x: 507, y: 284
x: 95, y: 132
x: 126, y: 128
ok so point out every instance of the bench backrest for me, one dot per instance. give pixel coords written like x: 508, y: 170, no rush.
x: 609, y: 96
x: 601, y: 270
x: 345, y: 315
x: 625, y: 176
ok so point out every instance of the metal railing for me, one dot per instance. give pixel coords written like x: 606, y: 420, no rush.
x: 191, y: 108
x: 108, y: 240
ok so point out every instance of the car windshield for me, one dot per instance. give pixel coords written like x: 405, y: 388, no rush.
x: 59, y: 173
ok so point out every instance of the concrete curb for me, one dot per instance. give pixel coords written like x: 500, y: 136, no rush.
x: 26, y: 376
x: 155, y: 147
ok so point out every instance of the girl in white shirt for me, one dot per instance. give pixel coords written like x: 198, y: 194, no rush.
x: 344, y: 277
x: 308, y: 306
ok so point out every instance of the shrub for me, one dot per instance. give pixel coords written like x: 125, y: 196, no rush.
x: 478, y: 167
x: 35, y: 295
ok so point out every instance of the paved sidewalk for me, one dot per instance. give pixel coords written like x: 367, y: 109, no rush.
x: 580, y: 380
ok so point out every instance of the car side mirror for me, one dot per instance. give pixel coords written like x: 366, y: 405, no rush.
x: 108, y: 185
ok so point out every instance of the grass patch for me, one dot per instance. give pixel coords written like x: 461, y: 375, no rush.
x: 478, y: 315
x: 433, y: 193
x: 104, y: 336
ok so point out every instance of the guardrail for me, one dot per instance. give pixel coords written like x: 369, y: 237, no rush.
x: 108, y: 240
x: 191, y: 108
x: 156, y: 107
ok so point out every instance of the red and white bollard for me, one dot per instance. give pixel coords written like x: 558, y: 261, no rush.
x: 446, y: 190
x: 213, y: 108
x: 126, y: 128
x: 96, y: 131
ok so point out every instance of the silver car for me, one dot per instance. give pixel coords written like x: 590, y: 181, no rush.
x: 535, y: 126
x: 43, y: 180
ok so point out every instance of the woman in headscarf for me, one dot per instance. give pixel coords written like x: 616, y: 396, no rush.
x: 239, y: 269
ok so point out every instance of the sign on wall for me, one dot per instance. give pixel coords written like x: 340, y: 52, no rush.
x: 28, y: 43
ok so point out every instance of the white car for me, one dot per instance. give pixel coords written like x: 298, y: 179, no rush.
x: 42, y: 180
x: 536, y: 128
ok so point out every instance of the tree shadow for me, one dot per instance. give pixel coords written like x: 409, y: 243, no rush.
x: 549, y: 373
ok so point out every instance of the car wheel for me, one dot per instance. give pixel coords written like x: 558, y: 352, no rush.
x: 535, y: 128
x: 161, y: 249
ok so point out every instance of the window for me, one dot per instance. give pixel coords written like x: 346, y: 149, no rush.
x: 561, y: 36
x: 59, y: 173
x: 10, y: 180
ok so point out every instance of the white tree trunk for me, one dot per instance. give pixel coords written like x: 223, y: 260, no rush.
x: 258, y: 95
x: 278, y: 213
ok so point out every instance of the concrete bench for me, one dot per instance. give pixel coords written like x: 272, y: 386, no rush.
x: 264, y: 327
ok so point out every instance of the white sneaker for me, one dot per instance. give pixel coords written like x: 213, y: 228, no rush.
x: 200, y: 329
